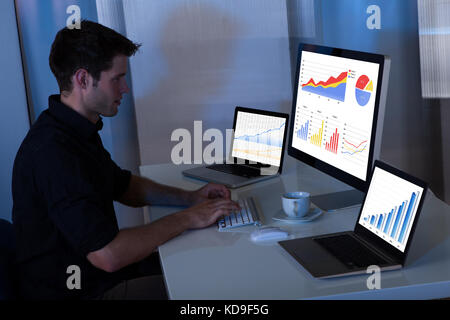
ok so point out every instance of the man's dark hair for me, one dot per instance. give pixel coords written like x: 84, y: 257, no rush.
x: 92, y: 47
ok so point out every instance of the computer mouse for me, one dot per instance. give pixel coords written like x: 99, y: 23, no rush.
x: 268, y: 233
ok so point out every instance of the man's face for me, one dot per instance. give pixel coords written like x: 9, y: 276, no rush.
x: 106, y: 96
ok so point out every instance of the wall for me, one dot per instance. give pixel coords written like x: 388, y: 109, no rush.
x: 201, y: 58
x: 434, y: 23
x: 14, y: 122
x: 445, y: 136
x: 39, y: 21
x: 412, y: 135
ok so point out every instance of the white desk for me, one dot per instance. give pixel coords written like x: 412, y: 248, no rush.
x: 207, y: 264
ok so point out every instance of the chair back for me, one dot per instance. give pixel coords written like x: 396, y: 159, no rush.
x: 8, y: 278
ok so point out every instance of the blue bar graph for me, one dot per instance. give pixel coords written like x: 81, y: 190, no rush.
x: 399, y: 216
x: 407, y: 217
x: 302, y: 133
x: 380, y: 222
x: 390, y: 208
x: 388, y: 221
x: 397, y: 219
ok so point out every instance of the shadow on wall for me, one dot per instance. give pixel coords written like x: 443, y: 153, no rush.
x: 197, y: 44
x: 412, y: 128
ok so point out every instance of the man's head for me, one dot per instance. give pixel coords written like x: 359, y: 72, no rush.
x: 90, y: 63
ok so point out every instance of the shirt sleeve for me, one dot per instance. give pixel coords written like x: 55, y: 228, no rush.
x: 74, y: 202
x: 121, y: 180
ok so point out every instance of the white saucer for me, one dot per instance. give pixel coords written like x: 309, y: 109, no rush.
x: 313, y: 213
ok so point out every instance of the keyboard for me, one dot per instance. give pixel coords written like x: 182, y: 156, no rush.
x: 249, y: 215
x: 350, y: 251
x: 236, y: 170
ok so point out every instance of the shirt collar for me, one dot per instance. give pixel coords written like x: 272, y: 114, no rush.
x: 70, y: 117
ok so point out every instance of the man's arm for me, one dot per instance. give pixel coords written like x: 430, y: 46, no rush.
x: 134, y: 244
x: 142, y: 191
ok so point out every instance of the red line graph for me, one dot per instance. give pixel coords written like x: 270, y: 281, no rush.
x: 353, y: 144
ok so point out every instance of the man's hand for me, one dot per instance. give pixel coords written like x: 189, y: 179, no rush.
x: 208, y: 212
x: 210, y: 191
x: 210, y: 203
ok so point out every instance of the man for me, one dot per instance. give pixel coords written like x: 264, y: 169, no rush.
x: 64, y: 184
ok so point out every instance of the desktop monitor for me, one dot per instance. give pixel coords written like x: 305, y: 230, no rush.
x: 337, y: 116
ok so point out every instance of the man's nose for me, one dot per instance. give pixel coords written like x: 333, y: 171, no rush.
x: 125, y: 88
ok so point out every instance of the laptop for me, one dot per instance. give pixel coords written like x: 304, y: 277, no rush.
x: 382, y: 234
x: 257, y: 150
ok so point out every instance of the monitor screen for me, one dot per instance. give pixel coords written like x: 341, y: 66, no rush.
x: 335, y: 110
x: 390, y: 207
x: 259, y: 138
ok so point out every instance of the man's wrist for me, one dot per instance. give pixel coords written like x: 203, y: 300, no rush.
x: 184, y: 219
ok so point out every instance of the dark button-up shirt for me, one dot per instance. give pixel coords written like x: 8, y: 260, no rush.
x: 64, y: 183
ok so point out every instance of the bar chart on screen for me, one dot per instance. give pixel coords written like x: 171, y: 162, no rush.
x: 316, y: 137
x: 303, y: 132
x: 390, y: 208
x: 332, y: 133
x: 333, y: 142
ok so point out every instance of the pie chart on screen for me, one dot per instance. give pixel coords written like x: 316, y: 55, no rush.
x: 363, y: 90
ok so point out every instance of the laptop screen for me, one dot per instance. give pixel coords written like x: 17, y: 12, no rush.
x: 259, y: 138
x: 390, y: 207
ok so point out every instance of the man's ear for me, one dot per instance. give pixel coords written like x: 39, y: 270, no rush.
x: 81, y: 78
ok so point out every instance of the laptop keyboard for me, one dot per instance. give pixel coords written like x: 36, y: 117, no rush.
x: 248, y: 215
x: 236, y: 170
x: 350, y: 251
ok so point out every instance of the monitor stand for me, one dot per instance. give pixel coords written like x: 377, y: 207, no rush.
x: 338, y: 200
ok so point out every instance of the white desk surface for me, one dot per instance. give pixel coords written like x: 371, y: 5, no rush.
x: 208, y: 264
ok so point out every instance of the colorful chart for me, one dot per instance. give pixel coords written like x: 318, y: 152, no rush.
x: 332, y: 145
x: 326, y: 95
x: 302, y: 133
x: 363, y: 90
x: 333, y: 88
x: 389, y: 223
x: 353, y: 148
x: 390, y: 207
x: 316, y: 139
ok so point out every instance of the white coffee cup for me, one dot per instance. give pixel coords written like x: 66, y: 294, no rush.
x: 296, y: 204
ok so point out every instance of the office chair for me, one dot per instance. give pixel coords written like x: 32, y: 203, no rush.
x: 8, y: 278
